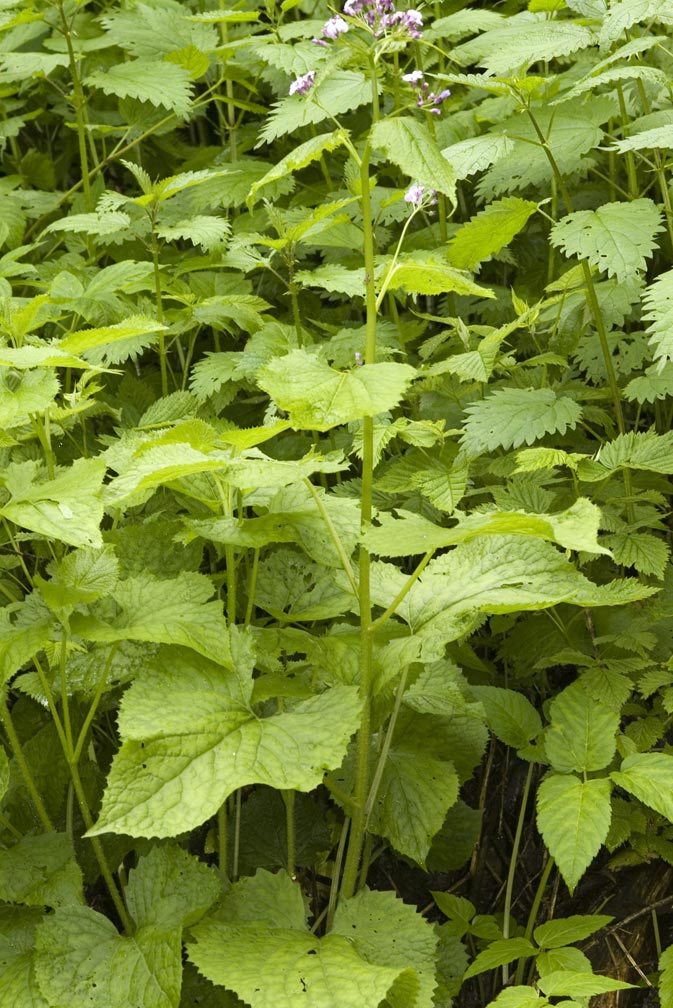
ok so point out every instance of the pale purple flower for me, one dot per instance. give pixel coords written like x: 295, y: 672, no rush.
x: 358, y: 358
x: 415, y: 77
x: 302, y: 84
x: 352, y: 7
x: 415, y: 195
x: 381, y: 15
x: 334, y: 27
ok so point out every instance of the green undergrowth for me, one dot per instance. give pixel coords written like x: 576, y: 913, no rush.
x: 336, y: 387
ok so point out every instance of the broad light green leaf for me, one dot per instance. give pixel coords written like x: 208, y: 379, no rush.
x: 409, y: 533
x: 68, y: 507
x: 489, y: 231
x: 660, y: 138
x: 617, y: 238
x: 518, y: 997
x: 573, y: 817
x: 561, y: 931
x: 188, y: 743
x: 509, y: 715
x: 156, y: 466
x: 423, y: 274
x: 648, y: 777
x: 418, y: 787
x: 21, y: 640
x: 409, y: 144
x: 295, y: 589
x: 488, y: 575
x: 23, y: 358
x: 170, y: 889
x: 83, y: 962
x: 299, y: 158
x: 158, y: 82
x: 388, y: 932
x: 582, y: 735
x: 40, y: 871
x: 318, y: 397
x: 499, y: 953
x: 18, y: 984
x: 164, y: 611
x: 378, y: 947
x: 656, y: 383
x: 206, y: 230
x: 568, y: 983
x: 511, y: 417
x: 639, y: 450
x: 33, y: 393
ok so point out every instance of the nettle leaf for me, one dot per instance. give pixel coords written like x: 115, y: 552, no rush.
x: 318, y: 397
x: 623, y: 14
x: 158, y: 82
x: 511, y: 417
x: 206, y: 230
x: 617, y: 238
x: 299, y: 158
x: 335, y: 278
x: 509, y: 715
x: 40, y: 871
x: 573, y: 817
x: 115, y: 343
x: 514, y: 46
x: 647, y: 776
x: 67, y: 508
x: 581, y: 736
x: 639, y: 450
x: 489, y: 231
x: 294, y: 589
x: 81, y: 960
x: 378, y: 949
x: 656, y: 383
x: 189, y: 740
x: 659, y: 138
x: 170, y: 611
x: 619, y: 73
x: 578, y: 985
x: 658, y: 305
x: 475, y: 154
x: 410, y: 145
x: 641, y: 550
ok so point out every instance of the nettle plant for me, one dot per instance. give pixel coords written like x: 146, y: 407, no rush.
x: 336, y: 381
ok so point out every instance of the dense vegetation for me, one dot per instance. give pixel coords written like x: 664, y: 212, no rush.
x: 336, y: 385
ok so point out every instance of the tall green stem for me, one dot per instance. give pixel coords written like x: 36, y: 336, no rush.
x: 359, y: 823
x: 15, y: 744
x: 509, y: 889
x: 79, y: 103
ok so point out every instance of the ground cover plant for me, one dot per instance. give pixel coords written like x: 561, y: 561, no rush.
x: 336, y: 386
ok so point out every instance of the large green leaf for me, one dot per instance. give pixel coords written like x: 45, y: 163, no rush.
x: 418, y: 787
x: 171, y: 611
x: 33, y: 393
x: 318, y: 397
x: 408, y: 533
x: 658, y: 304
x: 410, y: 145
x: 582, y: 735
x: 569, y: 983
x: 647, y: 776
x: 509, y: 715
x: 617, y: 238
x: 170, y: 889
x: 378, y: 948
x: 299, y: 158
x: 158, y: 82
x: 499, y: 953
x: 513, y: 46
x: 189, y: 739
x: 562, y: 931
x: 83, y: 962
x: 388, y: 932
x: 67, y: 508
x: 573, y: 817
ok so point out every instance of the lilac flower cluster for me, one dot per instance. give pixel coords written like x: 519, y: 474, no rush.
x: 426, y: 99
x: 300, y: 85
x: 418, y: 196
x: 379, y: 15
